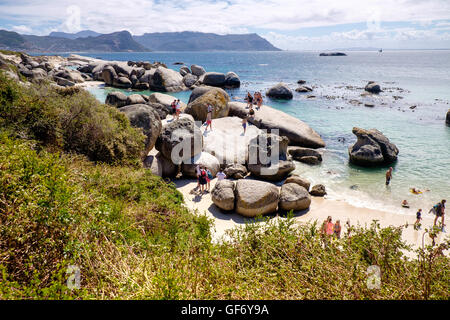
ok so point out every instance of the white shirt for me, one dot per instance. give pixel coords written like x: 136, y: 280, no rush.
x: 220, y: 175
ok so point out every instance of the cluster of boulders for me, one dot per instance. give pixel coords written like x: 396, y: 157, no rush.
x: 251, y: 198
x: 263, y: 154
x: 372, y: 148
x: 197, y: 76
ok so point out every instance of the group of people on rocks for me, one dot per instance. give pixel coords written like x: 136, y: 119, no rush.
x: 176, y: 109
x: 438, y: 209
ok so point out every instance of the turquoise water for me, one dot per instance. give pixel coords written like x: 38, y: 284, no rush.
x: 421, y: 78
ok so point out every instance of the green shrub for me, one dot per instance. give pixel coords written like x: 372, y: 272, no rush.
x: 69, y: 120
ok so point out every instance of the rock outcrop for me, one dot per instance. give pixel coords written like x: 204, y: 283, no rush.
x: 182, y: 137
x: 145, y: 117
x: 232, y: 80
x: 298, y: 132
x: 215, y: 97
x: 167, y: 80
x: 372, y: 148
x: 222, y: 195
x: 165, y: 100
x: 214, y: 79
x: 305, y: 154
x: 447, y: 120
x: 332, y: 54
x: 294, y: 197
x: 117, y: 99
x: 280, y: 91
x: 254, y: 198
x: 372, y: 87
x: 197, y: 70
x: 235, y: 171
x: 298, y: 180
x: 268, y: 157
x: 160, y: 166
x: 318, y: 190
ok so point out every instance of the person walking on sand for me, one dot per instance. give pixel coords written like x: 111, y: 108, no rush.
x: 209, y: 118
x: 388, y: 175
x: 337, y: 229
x: 203, y: 180
x: 440, y: 212
x: 418, y: 218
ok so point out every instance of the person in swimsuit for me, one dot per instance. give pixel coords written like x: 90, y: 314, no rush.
x: 329, y: 227
x: 388, y: 176
x: 337, y: 229
x: 249, y: 100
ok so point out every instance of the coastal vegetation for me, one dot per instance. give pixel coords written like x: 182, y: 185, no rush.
x: 73, y: 192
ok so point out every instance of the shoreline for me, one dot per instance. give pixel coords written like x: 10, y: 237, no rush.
x: 319, y: 210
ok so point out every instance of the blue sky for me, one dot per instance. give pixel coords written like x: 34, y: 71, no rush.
x: 288, y: 24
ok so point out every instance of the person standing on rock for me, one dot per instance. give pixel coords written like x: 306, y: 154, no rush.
x: 388, y: 176
x: 178, y: 109
x: 174, y: 108
x: 209, y: 118
x: 258, y: 99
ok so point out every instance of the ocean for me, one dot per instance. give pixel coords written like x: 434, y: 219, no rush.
x: 410, y: 112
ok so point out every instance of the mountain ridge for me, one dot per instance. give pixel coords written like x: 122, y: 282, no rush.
x: 123, y: 41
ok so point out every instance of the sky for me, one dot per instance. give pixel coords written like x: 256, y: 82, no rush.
x: 287, y: 24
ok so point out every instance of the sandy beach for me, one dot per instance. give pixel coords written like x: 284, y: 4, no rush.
x: 319, y: 210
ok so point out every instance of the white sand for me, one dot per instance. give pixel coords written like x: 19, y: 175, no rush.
x: 319, y: 210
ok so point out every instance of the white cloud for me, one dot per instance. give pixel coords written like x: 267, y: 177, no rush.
x: 224, y: 16
x: 22, y: 29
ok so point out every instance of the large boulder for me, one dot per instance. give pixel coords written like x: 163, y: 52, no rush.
x: 203, y: 159
x: 280, y: 91
x: 298, y: 180
x: 304, y: 89
x: 232, y: 80
x: 184, y: 70
x: 197, y: 70
x: 235, y: 171
x: 214, y: 79
x: 189, y: 80
x: 122, y: 82
x: 167, y: 80
x: 227, y: 142
x: 117, y: 99
x: 197, y: 92
x: 268, y: 157
x: 318, y: 190
x: 447, y: 120
x: 123, y: 68
x: 159, y: 165
x: 135, y: 99
x: 145, y: 117
x: 294, y: 197
x: 254, y: 198
x: 297, y: 153
x: 222, y: 195
x: 182, y: 138
x: 39, y: 74
x: 109, y: 75
x: 372, y: 87
x: 215, y: 97
x: 163, y: 110
x: 298, y: 132
x: 372, y: 148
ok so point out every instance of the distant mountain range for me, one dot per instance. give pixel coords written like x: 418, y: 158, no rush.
x: 123, y: 41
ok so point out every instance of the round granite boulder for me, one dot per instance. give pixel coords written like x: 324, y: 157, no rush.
x: 254, y: 198
x: 294, y: 197
x: 222, y: 195
x: 280, y: 91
